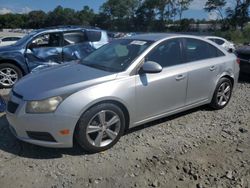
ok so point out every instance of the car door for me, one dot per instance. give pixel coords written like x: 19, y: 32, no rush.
x: 203, y: 65
x: 165, y: 91
x: 43, y: 49
x: 76, y: 45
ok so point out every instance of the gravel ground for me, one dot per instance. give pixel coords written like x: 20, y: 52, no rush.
x: 198, y: 148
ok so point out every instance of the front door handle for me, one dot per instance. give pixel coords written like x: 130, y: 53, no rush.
x: 212, y: 68
x: 180, y: 77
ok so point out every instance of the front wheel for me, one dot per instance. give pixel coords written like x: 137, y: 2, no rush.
x: 9, y: 75
x: 100, y: 127
x: 222, y: 94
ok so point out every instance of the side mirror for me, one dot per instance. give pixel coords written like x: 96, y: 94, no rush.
x: 150, y: 67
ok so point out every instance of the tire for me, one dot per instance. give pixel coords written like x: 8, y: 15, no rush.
x: 9, y: 75
x: 221, y: 97
x: 96, y: 122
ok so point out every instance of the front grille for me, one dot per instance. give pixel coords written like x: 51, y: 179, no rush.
x: 43, y: 136
x: 17, y: 95
x: 12, y: 107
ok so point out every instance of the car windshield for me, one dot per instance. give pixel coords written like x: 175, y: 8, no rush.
x: 25, y: 38
x: 117, y: 55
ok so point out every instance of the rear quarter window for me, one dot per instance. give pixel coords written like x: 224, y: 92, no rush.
x: 71, y: 38
x: 94, y: 36
x: 196, y: 50
x: 219, y: 41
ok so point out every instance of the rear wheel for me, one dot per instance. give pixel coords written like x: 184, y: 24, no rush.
x: 222, y: 94
x: 9, y: 75
x: 100, y: 127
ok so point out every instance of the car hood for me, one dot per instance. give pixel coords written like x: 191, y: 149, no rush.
x: 9, y: 48
x: 64, y: 79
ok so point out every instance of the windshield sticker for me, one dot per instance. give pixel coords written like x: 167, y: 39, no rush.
x: 138, y: 42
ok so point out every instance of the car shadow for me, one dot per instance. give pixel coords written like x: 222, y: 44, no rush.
x: 11, y: 145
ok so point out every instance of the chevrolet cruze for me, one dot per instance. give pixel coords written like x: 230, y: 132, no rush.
x: 123, y: 84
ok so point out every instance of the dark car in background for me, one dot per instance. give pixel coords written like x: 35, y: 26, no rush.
x: 243, y: 53
x: 49, y: 45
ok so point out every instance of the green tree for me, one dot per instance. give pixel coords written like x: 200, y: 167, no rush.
x: 120, y: 13
x: 146, y: 16
x: 62, y: 16
x: 181, y: 6
x: 86, y: 16
x: 36, y: 19
x: 239, y: 14
x: 215, y: 5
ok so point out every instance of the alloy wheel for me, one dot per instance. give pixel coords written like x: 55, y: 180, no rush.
x: 223, y: 94
x: 103, y: 128
x: 8, y: 76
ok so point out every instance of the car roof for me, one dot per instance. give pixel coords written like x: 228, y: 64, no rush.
x: 215, y: 37
x: 65, y: 28
x: 152, y: 36
x: 160, y: 36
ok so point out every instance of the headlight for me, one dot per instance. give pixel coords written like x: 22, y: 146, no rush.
x: 43, y: 106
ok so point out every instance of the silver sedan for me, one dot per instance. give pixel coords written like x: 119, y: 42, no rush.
x: 125, y: 83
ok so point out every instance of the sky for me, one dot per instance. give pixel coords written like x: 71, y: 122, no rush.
x: 24, y: 6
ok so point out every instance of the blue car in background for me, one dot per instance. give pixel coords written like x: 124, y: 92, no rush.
x: 47, y: 46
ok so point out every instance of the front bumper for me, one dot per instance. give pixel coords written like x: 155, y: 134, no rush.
x: 52, y: 123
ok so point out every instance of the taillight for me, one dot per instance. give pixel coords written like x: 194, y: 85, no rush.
x: 238, y: 60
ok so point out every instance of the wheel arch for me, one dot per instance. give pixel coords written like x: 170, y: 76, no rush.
x: 115, y: 102
x: 230, y: 78
x: 11, y: 61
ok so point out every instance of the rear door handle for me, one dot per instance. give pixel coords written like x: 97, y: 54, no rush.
x: 180, y: 77
x: 212, y: 68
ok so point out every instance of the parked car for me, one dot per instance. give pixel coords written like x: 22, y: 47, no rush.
x: 229, y: 46
x: 5, y: 41
x: 126, y: 83
x: 243, y: 54
x: 57, y: 45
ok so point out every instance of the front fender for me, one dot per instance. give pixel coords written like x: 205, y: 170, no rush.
x: 17, y: 57
x: 122, y: 91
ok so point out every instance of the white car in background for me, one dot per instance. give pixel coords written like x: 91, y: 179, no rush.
x: 5, y: 41
x: 229, y: 46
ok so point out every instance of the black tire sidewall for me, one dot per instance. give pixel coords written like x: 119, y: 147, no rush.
x: 81, y: 128
x: 214, y: 103
x: 17, y: 69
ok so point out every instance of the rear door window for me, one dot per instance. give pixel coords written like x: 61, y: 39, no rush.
x: 196, y: 50
x: 72, y: 38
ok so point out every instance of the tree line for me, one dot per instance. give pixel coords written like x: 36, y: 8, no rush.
x: 134, y: 15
